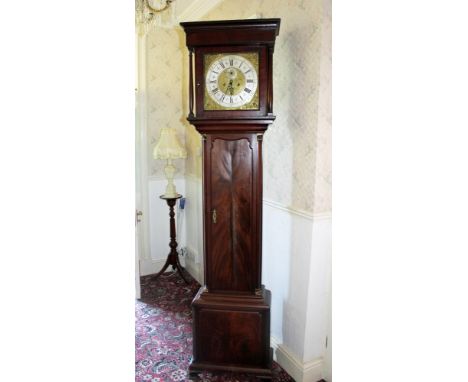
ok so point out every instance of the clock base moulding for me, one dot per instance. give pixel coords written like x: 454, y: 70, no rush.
x: 232, y: 333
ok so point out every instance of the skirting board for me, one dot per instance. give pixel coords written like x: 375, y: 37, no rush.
x: 301, y: 372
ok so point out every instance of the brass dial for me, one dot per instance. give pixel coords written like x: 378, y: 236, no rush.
x: 231, y: 81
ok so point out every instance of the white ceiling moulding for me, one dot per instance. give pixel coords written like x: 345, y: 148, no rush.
x: 196, y: 9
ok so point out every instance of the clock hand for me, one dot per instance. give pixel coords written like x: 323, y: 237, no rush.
x: 229, y: 88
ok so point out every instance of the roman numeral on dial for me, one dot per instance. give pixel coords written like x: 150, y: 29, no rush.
x: 247, y: 90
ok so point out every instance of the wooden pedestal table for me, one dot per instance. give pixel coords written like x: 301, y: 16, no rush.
x: 173, y: 257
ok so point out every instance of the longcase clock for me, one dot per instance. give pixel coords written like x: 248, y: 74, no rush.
x: 231, y: 105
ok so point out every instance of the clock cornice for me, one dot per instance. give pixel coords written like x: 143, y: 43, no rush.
x: 241, y: 32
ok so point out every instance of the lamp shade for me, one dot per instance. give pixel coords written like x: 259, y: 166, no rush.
x: 168, y: 146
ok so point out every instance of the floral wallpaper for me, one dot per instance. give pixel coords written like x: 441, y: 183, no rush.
x: 297, y: 147
x: 323, y: 168
x: 165, y: 102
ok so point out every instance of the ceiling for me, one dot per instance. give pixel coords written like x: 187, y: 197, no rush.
x: 193, y: 10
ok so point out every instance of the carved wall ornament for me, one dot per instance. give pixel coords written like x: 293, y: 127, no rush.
x: 153, y: 13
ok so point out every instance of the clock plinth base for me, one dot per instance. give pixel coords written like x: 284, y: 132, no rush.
x: 231, y: 333
x: 195, y: 368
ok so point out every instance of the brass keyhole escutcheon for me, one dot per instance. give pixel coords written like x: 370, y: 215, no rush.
x: 214, y: 216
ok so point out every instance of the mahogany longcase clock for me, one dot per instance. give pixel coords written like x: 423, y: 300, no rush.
x: 232, y: 91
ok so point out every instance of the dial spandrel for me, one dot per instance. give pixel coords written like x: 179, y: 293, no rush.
x: 231, y: 81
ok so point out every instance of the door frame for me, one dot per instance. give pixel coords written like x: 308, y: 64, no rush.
x: 142, y: 251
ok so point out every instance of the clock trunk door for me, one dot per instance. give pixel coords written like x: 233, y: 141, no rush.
x: 232, y: 252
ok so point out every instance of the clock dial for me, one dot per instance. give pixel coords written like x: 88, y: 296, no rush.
x: 231, y: 81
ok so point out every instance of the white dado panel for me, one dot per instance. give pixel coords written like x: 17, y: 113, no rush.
x: 297, y: 270
x: 194, y: 220
x: 319, y: 293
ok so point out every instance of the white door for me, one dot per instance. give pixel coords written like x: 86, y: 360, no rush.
x: 141, y: 170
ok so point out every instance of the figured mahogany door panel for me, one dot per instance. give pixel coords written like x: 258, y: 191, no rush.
x: 231, y: 201
x: 230, y: 337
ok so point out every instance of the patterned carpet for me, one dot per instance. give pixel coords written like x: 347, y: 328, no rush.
x: 163, y: 338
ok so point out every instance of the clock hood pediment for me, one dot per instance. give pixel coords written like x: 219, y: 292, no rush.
x: 234, y: 32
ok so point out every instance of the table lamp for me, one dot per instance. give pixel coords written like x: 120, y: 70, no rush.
x: 168, y: 147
